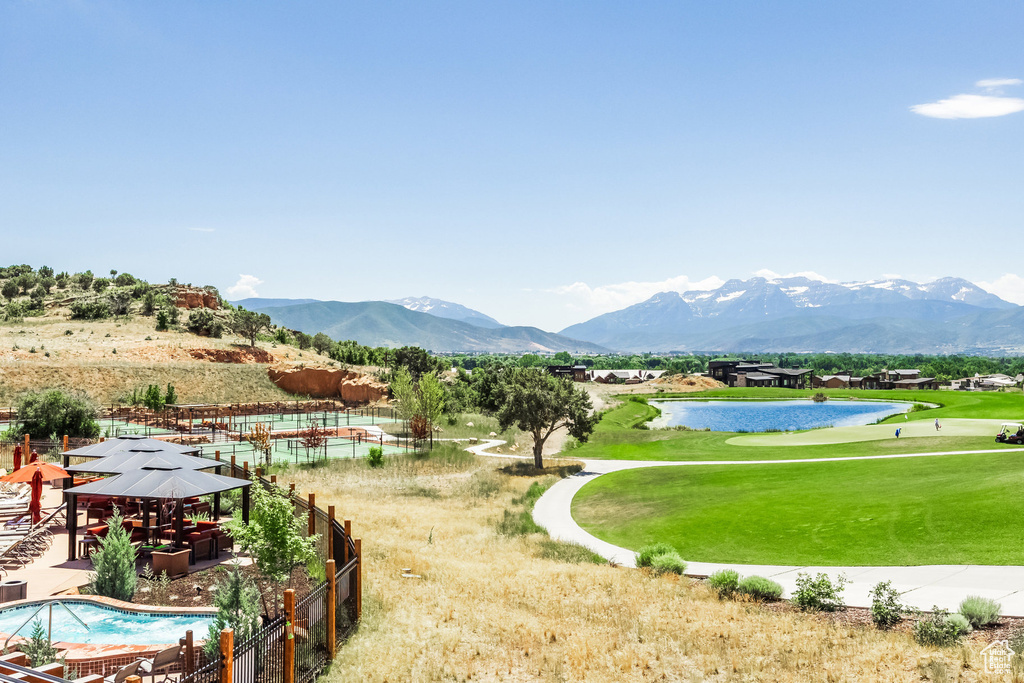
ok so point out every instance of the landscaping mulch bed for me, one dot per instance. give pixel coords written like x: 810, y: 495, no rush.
x: 1004, y: 629
x: 196, y: 590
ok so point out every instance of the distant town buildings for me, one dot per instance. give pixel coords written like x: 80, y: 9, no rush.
x: 752, y: 373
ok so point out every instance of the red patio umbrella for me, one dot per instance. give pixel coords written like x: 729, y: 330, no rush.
x: 35, y: 506
x: 36, y: 473
x: 48, y: 470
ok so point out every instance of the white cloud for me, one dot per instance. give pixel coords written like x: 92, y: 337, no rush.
x: 605, y: 298
x: 970, y: 106
x: 245, y: 287
x: 1009, y: 287
x: 201, y: 229
x: 990, y: 83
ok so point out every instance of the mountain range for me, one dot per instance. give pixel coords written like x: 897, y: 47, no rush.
x: 794, y: 314
x: 798, y: 314
x: 433, y: 324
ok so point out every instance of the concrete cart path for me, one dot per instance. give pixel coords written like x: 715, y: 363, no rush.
x: 922, y: 586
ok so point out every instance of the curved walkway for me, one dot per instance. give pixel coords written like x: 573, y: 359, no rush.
x: 922, y: 586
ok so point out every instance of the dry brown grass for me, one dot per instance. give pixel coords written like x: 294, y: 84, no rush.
x: 108, y: 359
x: 490, y: 608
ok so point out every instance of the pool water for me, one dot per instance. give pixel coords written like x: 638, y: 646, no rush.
x: 108, y: 626
x: 763, y: 416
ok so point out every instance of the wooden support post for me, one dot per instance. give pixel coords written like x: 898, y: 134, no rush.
x: 312, y: 517
x: 227, y: 653
x: 66, y: 449
x: 245, y: 468
x: 273, y: 478
x: 332, y: 601
x: 28, y: 447
x: 259, y: 471
x: 348, y: 535
x: 190, y: 653
x: 289, y: 636
x: 359, y: 578
x: 330, y: 532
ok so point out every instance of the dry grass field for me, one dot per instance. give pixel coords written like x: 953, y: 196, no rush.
x: 107, y: 359
x: 494, y: 607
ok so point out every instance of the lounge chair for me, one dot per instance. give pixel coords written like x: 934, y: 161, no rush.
x: 164, y: 661
x: 124, y: 672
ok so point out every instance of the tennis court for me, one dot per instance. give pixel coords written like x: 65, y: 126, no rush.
x: 283, y: 422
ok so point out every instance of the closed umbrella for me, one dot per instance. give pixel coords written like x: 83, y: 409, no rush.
x: 17, y: 458
x: 35, y: 506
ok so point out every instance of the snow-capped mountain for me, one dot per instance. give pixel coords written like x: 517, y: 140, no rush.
x: 446, y: 309
x: 807, y: 314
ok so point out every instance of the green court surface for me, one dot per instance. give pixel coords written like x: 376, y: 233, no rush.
x: 289, y: 422
x: 290, y: 450
x: 951, y: 509
x: 115, y: 428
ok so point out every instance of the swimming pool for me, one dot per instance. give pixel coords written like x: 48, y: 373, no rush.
x: 763, y: 416
x: 107, y: 625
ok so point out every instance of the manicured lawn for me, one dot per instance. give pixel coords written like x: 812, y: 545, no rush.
x: 616, y: 439
x: 958, y: 509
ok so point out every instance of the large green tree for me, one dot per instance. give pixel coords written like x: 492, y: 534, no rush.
x: 54, y: 413
x: 249, y: 324
x: 536, y: 402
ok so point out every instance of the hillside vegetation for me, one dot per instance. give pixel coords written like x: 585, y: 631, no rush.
x: 46, y: 342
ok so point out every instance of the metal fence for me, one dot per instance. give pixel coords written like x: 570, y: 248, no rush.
x: 260, y: 659
x: 207, y: 673
x: 310, y: 626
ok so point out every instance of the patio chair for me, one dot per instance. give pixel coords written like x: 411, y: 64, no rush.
x: 164, y: 661
x: 124, y: 672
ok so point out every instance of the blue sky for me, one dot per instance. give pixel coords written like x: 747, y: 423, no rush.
x: 542, y: 162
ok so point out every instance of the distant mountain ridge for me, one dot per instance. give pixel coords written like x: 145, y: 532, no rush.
x: 949, y: 315
x: 380, y: 323
x: 446, y: 309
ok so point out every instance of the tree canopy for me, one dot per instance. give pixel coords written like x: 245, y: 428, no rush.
x: 539, y: 403
x: 249, y: 324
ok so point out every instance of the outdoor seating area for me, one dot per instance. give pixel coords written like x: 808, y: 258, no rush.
x: 158, y: 489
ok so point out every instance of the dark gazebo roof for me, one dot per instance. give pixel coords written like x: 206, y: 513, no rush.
x: 159, y: 483
x: 142, y: 458
x: 130, y: 442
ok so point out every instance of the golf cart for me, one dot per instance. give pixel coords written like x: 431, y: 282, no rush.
x: 1011, y: 432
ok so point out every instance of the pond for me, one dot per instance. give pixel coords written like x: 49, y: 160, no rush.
x: 764, y: 416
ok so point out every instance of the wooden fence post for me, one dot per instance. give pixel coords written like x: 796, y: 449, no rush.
x: 330, y: 532
x: 312, y: 517
x: 227, y: 656
x: 348, y: 535
x: 66, y: 449
x: 273, y: 478
x: 289, y: 636
x: 28, y: 449
x: 332, y: 598
x: 190, y: 653
x: 359, y: 578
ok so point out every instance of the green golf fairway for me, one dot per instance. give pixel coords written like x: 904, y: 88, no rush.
x: 954, y: 509
x: 617, y: 437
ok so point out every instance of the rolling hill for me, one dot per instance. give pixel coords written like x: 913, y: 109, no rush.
x: 379, y: 323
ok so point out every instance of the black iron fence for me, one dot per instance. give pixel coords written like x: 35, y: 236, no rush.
x: 260, y: 659
x: 207, y: 673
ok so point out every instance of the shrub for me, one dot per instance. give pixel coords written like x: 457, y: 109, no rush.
x: 163, y: 321
x: 204, y: 323
x: 114, y: 563
x: 238, y: 607
x: 760, y: 588
x: 645, y: 556
x: 819, y: 593
x: 725, y: 582
x: 281, y: 336
x: 38, y: 647
x: 980, y: 611
x: 668, y: 563
x: 95, y: 309
x: 941, y: 629
x: 375, y: 457
x: 886, y: 609
x: 54, y: 413
x: 172, y: 395
x: 153, y: 399
x: 10, y: 289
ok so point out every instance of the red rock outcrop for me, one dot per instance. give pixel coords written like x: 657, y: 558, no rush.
x: 252, y: 354
x: 350, y: 387
x: 195, y: 298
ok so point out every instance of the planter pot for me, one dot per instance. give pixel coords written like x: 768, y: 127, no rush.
x: 175, y: 563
